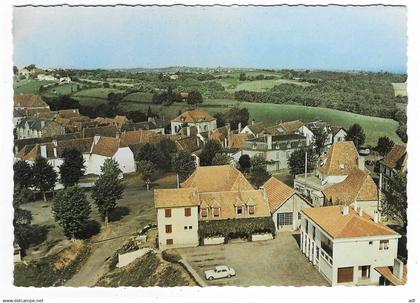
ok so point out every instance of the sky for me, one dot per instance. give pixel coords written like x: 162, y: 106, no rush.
x: 328, y: 38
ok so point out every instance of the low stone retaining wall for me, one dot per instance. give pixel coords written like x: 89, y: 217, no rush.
x: 261, y: 237
x: 214, y: 240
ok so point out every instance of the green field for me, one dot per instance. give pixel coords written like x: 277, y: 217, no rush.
x: 400, y: 89
x: 28, y: 86
x: 139, y: 97
x: 96, y: 93
x: 263, y: 85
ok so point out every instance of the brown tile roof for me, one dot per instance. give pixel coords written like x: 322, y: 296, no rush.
x: 106, y: 146
x: 69, y: 113
x: 120, y: 120
x: 291, y: 126
x: 256, y: 128
x: 140, y: 137
x: 220, y: 134
x: 217, y: 178
x: 332, y: 221
x: 227, y: 200
x: 190, y: 144
x: 386, y: 272
x: 193, y: 116
x: 82, y: 145
x: 106, y: 131
x: 175, y: 197
x: 341, y: 159
x: 277, y: 193
x: 28, y: 100
x: 394, y: 159
x: 31, y: 152
x: 238, y: 140
x: 358, y: 186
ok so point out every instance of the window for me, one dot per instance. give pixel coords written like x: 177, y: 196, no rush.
x: 204, y: 212
x: 168, y: 213
x: 169, y: 241
x: 251, y: 210
x: 299, y: 216
x: 383, y: 245
x: 370, y: 242
x: 168, y: 229
x: 285, y: 219
x: 190, y: 227
x: 313, y: 233
x: 187, y: 212
x: 239, y: 210
x: 185, y: 227
x: 216, y: 212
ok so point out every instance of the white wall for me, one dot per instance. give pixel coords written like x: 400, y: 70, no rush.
x: 93, y: 163
x: 125, y: 158
x: 294, y: 204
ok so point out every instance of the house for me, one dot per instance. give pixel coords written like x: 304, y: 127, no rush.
x: 255, y: 129
x: 43, y: 77
x: 157, y: 126
x: 68, y: 113
x: 64, y: 80
x: 339, y: 134
x: 197, y: 117
x: 227, y: 195
x: 346, y: 245
x: 285, y: 204
x: 311, y: 128
x: 276, y: 150
x: 29, y: 101
x: 394, y: 161
x: 104, y: 131
x: 38, y: 128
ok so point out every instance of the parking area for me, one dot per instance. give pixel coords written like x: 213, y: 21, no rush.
x: 275, y: 262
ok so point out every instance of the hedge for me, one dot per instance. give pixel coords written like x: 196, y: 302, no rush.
x: 232, y: 228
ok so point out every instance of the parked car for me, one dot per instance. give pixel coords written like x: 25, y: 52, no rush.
x: 219, y: 272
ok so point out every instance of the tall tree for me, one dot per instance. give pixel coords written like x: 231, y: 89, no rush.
x: 184, y: 165
x: 73, y: 167
x: 44, y: 176
x: 71, y: 210
x: 244, y: 163
x: 237, y: 115
x: 384, y: 145
x: 357, y: 135
x: 108, y: 188
x: 221, y: 159
x: 320, y: 137
x: 194, y: 97
x: 22, y: 174
x: 395, y: 204
x: 210, y: 149
x: 296, y: 161
x: 22, y: 218
x: 147, y: 170
x: 258, y: 171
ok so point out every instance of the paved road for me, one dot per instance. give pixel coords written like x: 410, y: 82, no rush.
x: 275, y: 262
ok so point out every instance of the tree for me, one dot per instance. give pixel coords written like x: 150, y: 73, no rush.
x: 210, y: 149
x: 73, y: 167
x: 258, y: 171
x: 15, y: 70
x: 244, y: 163
x: 184, y: 165
x: 44, y: 176
x: 296, y: 161
x: 357, y: 135
x: 108, y: 188
x: 395, y: 204
x: 242, y: 77
x: 194, y: 97
x: 22, y: 218
x: 220, y: 119
x: 159, y: 154
x: 106, y: 85
x: 148, y: 171
x: 71, y: 211
x: 137, y: 116
x: 22, y: 174
x: 237, y: 115
x: 320, y: 136
x: 384, y: 145
x: 167, y: 150
x: 221, y: 159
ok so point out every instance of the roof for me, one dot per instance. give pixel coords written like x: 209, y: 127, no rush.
x: 69, y: 113
x: 256, y: 128
x: 334, y: 223
x: 193, y: 116
x: 82, y: 145
x: 190, y: 144
x: 341, y: 159
x: 386, y: 272
x: 277, y: 193
x: 394, y: 158
x: 220, y: 134
x: 184, y: 131
x: 291, y: 126
x: 120, y: 120
x: 28, y: 100
x: 106, y: 131
x: 34, y: 123
x: 358, y: 186
x: 335, y: 130
x: 106, y: 146
x: 20, y: 143
x: 33, y: 151
x: 140, y: 137
x: 237, y: 140
x: 176, y: 197
x: 227, y: 200
x: 217, y: 178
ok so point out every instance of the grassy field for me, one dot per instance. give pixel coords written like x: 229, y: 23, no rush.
x: 263, y: 85
x: 96, y: 93
x: 139, y: 97
x: 400, y: 89
x: 28, y: 86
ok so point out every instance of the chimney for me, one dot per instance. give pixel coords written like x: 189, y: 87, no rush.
x: 398, y: 269
x: 345, y: 210
x: 355, y: 206
x: 188, y: 131
x: 96, y: 139
x: 55, y: 152
x: 42, y: 123
x: 226, y: 144
x: 264, y: 192
x: 239, y: 127
x: 44, y: 151
x: 269, y: 141
x: 361, y: 163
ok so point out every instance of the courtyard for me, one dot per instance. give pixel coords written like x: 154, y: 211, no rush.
x: 275, y: 262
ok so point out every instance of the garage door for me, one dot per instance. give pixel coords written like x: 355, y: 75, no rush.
x: 345, y: 274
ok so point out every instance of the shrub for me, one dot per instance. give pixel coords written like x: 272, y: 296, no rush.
x: 171, y: 256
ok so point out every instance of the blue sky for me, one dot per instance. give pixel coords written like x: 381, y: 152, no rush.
x: 332, y: 38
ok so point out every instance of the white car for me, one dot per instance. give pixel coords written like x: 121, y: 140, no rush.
x: 219, y: 272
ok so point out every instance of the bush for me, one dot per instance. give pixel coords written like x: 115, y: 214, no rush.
x: 171, y: 256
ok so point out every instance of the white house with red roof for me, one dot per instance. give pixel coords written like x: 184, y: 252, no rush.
x: 197, y: 117
x: 346, y: 245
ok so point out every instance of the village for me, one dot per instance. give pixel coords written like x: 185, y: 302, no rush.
x: 291, y: 203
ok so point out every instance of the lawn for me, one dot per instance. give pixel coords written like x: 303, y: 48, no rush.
x: 400, y: 89
x: 101, y: 93
x: 139, y: 97
x: 62, y: 89
x: 263, y: 85
x: 29, y: 86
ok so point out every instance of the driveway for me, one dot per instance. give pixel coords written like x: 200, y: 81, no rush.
x: 275, y: 262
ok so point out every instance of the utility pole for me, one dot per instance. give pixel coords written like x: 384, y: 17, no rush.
x: 306, y: 169
x: 379, y: 192
x: 177, y: 181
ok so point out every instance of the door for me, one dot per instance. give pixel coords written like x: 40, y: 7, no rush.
x: 284, y: 220
x: 365, y: 271
x: 345, y: 274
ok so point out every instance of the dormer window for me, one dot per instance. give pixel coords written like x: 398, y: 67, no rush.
x: 216, y: 212
x: 239, y: 210
x: 277, y: 146
x: 204, y: 213
x: 251, y: 210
